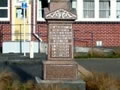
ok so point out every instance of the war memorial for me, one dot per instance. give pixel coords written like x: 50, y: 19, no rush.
x: 60, y: 66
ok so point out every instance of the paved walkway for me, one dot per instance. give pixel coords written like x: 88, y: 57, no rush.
x: 111, y: 66
x: 21, y: 57
x: 27, y: 68
x: 24, y: 67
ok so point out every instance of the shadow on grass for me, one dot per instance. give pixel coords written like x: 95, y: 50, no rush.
x: 24, y: 76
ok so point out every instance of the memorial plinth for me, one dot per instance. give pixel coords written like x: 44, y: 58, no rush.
x: 60, y: 70
x: 60, y: 64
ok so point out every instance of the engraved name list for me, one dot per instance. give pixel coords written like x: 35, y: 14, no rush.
x: 60, y: 40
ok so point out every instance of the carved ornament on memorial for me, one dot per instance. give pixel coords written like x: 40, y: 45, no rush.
x: 61, y: 14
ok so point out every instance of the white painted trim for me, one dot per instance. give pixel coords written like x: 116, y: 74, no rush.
x: 39, y: 18
x: 8, y: 8
x: 34, y: 15
x: 96, y: 9
x: 113, y: 8
x: 29, y: 21
x: 98, y: 20
x: 113, y: 17
x: 4, y: 19
x: 79, y: 9
x: 13, y: 19
x: 34, y: 21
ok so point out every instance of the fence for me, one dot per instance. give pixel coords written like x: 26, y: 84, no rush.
x: 81, y: 39
x: 15, y: 34
x: 97, y: 39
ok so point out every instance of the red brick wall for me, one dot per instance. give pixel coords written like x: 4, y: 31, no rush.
x: 5, y: 28
x: 42, y: 30
x: 0, y: 36
x: 107, y: 32
x: 5, y: 33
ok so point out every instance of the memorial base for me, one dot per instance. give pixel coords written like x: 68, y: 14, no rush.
x: 64, y: 85
x: 60, y: 70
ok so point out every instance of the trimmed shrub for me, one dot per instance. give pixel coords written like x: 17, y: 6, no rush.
x: 80, y: 55
x: 96, y: 53
x: 116, y: 52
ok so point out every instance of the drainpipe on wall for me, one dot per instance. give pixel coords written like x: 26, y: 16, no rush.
x: 34, y: 22
x: 34, y: 25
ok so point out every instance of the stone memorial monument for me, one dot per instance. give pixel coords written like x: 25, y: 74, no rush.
x: 60, y: 64
x: 60, y: 68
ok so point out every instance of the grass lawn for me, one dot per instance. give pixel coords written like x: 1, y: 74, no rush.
x: 98, y: 81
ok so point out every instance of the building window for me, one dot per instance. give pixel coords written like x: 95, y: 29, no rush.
x: 74, y: 4
x: 99, y: 43
x: 89, y: 8
x: 4, y: 9
x: 20, y: 13
x: 20, y: 0
x: 4, y: 13
x: 104, y: 8
x: 118, y: 8
x: 41, y: 5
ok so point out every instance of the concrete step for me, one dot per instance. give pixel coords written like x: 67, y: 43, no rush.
x: 12, y: 56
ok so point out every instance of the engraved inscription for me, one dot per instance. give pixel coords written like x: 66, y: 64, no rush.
x: 60, y: 40
x: 60, y: 50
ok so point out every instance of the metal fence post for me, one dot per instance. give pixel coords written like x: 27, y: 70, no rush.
x: 2, y: 33
x: 20, y: 39
x: 92, y: 39
x: 1, y: 38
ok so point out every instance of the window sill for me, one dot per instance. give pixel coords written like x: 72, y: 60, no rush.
x: 99, y: 19
x: 41, y: 19
x: 4, y: 19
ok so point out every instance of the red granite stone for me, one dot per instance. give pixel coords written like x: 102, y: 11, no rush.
x: 60, y: 70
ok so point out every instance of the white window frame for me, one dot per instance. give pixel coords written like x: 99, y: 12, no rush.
x: 112, y: 18
x: 89, y: 9
x: 117, y: 9
x: 99, y: 43
x: 38, y: 8
x: 104, y: 10
x: 74, y: 4
x: 8, y: 8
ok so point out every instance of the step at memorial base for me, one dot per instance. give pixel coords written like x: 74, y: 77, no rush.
x: 60, y: 70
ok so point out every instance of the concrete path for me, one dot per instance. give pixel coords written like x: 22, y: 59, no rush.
x: 111, y: 66
x: 27, y: 68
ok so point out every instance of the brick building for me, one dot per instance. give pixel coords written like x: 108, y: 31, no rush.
x: 97, y: 24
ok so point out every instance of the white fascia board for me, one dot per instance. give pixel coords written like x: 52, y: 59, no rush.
x: 98, y: 20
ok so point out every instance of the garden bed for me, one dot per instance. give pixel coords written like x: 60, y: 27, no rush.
x: 97, y: 53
